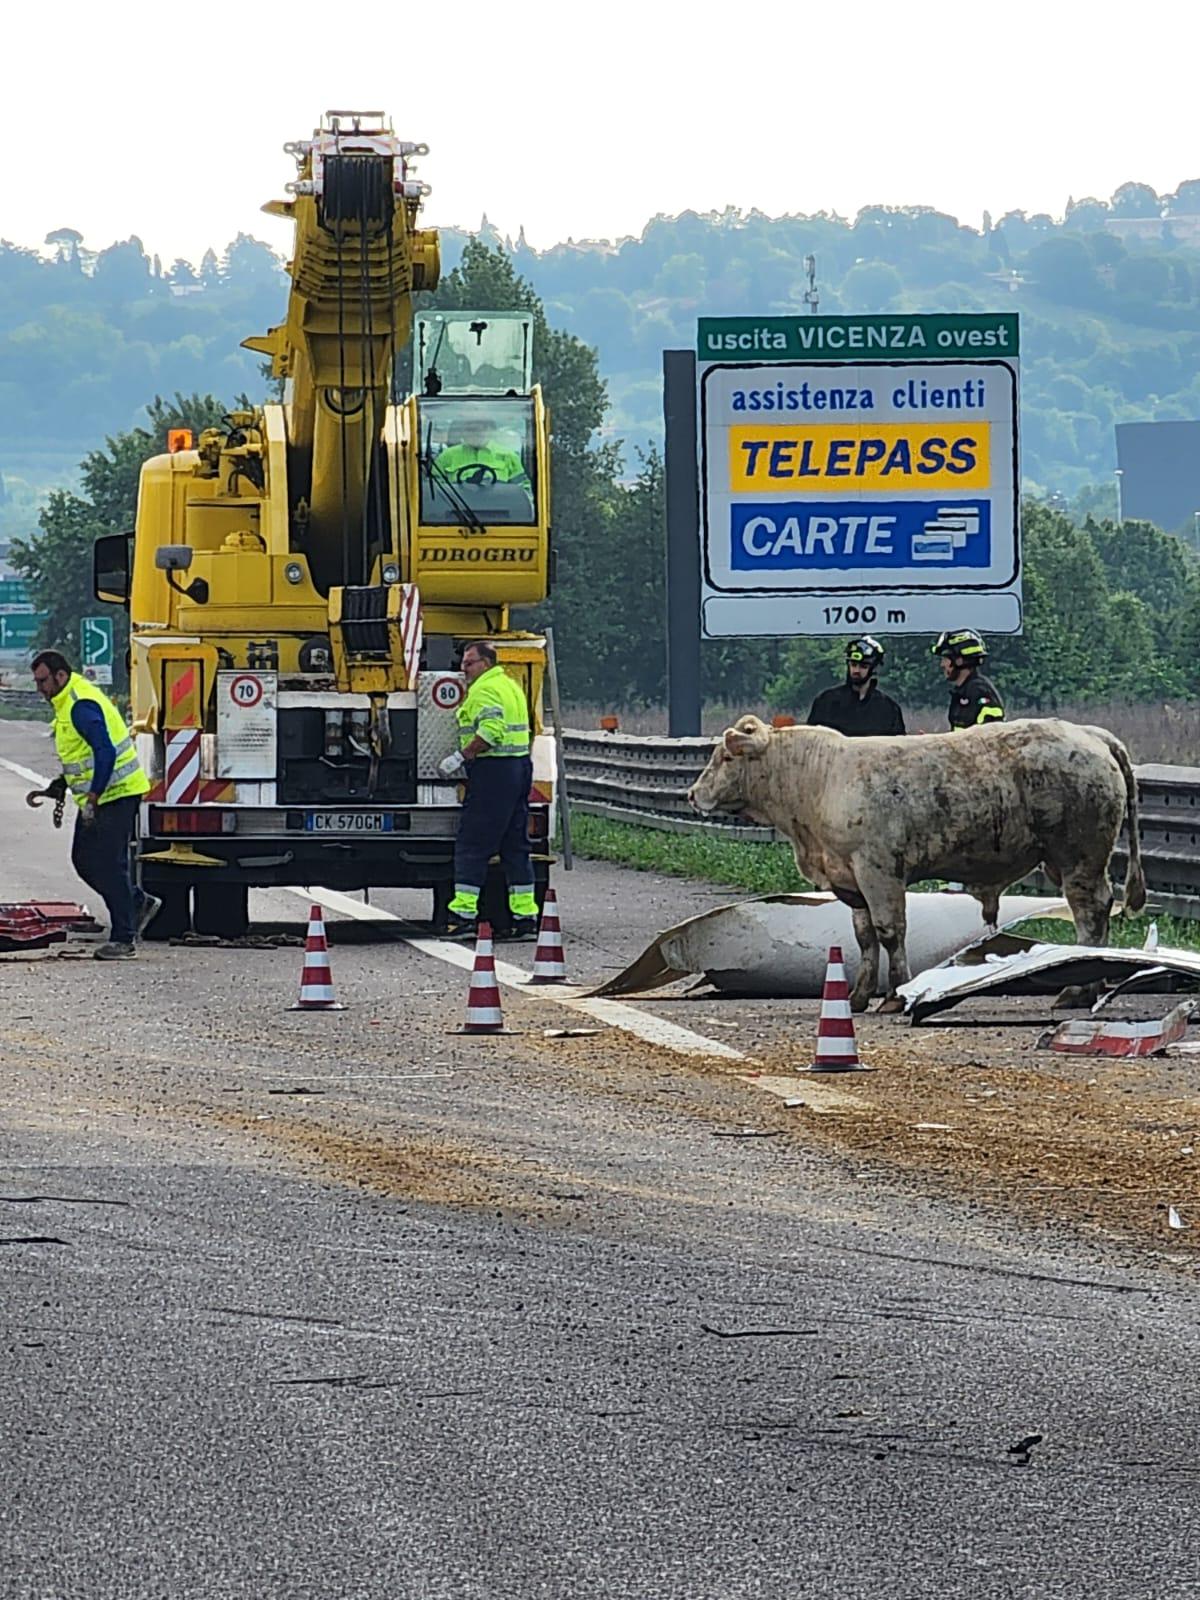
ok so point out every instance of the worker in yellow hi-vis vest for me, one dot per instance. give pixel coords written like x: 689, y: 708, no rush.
x: 493, y: 760
x: 101, y: 772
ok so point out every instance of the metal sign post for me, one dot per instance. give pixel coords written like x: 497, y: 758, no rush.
x: 683, y: 549
x: 561, y: 793
x: 859, y: 473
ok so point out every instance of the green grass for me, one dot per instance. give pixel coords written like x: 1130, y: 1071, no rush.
x: 760, y: 868
x: 11, y: 713
x: 1175, y: 932
x: 771, y: 869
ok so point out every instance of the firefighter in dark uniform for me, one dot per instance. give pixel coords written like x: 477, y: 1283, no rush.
x: 973, y: 699
x: 858, y: 707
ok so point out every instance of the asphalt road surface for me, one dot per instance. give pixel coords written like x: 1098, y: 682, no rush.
x: 353, y: 1306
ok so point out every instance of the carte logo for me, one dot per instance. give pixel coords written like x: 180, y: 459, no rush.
x: 836, y: 536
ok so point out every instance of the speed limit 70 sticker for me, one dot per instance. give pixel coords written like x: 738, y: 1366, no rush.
x: 246, y: 690
x: 447, y: 693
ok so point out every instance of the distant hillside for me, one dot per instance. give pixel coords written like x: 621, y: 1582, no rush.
x: 1109, y: 298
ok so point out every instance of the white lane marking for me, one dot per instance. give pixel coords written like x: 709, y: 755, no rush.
x: 644, y: 1025
x: 463, y: 955
x: 25, y: 772
x: 334, y: 900
x: 803, y: 1090
x: 653, y: 1029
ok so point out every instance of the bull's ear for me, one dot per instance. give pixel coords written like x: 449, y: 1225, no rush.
x: 749, y: 738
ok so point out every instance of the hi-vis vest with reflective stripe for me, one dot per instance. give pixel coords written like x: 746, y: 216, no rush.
x: 459, y: 459
x: 76, y: 754
x: 495, y: 709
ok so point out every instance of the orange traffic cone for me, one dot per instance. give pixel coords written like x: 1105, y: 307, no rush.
x: 483, y: 998
x: 316, y: 980
x: 548, y: 963
x: 837, y: 1050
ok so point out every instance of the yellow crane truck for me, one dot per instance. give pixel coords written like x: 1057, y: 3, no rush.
x: 301, y: 581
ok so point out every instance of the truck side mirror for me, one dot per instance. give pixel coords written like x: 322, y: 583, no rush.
x: 173, y: 557
x: 110, y: 568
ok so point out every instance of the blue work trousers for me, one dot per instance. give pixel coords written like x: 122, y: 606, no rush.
x: 100, y: 855
x: 494, y: 821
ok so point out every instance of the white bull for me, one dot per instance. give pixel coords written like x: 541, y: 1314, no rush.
x: 982, y: 806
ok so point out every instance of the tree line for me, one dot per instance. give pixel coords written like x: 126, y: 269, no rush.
x: 1111, y: 612
x: 1109, y: 297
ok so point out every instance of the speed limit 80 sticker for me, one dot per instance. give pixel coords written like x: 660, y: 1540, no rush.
x: 447, y: 693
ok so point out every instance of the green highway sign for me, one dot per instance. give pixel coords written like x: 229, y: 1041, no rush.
x: 96, y: 638
x: 859, y: 472
x: 20, y: 631
x: 20, y: 622
x: 934, y: 336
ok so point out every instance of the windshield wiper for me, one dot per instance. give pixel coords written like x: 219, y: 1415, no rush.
x: 466, y: 513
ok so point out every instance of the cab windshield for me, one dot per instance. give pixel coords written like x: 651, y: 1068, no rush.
x: 468, y: 352
x: 477, y: 462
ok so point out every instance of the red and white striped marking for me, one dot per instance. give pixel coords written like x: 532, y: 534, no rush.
x: 549, y: 965
x: 213, y: 791
x: 185, y: 688
x: 1087, y: 1038
x: 837, y: 1049
x: 316, y: 980
x: 483, y: 998
x: 182, y: 785
x: 411, y: 630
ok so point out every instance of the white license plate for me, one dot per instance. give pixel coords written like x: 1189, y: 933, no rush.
x: 348, y: 821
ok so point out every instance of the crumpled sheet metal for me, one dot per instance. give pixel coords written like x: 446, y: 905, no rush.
x: 1092, y: 1036
x: 777, y: 945
x: 1043, y: 969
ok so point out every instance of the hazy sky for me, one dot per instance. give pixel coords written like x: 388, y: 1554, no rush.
x: 168, y: 121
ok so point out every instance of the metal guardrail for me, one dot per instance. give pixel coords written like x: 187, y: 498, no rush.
x: 26, y: 699
x: 644, y: 780
x: 1169, y: 813
x: 629, y: 778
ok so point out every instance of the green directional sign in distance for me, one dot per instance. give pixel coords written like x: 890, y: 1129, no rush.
x: 18, y: 632
x: 96, y: 635
x: 20, y: 622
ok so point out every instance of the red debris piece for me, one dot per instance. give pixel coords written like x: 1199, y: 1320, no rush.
x: 1081, y: 1037
x: 34, y: 924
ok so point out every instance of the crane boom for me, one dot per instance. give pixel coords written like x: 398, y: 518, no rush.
x: 358, y: 258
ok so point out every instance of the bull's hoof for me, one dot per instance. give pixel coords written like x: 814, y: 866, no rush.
x: 891, y: 1006
x: 859, y: 1002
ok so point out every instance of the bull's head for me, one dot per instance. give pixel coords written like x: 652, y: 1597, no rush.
x: 724, y: 785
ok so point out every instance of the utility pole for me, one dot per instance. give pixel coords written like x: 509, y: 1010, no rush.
x: 812, y: 296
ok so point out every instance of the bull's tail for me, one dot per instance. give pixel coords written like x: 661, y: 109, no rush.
x: 1135, y: 878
